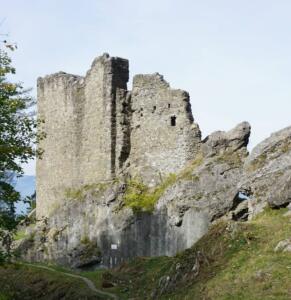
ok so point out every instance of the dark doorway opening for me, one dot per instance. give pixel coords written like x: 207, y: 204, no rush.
x: 173, y: 121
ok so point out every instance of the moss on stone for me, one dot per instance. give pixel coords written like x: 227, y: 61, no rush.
x: 89, y: 249
x: 80, y: 194
x: 273, y: 152
x: 139, y: 197
x: 187, y: 172
x: 85, y: 240
x: 257, y: 163
x: 234, y: 159
x: 20, y: 235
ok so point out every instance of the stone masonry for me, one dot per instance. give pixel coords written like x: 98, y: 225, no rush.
x: 163, y: 136
x: 81, y: 129
x: 97, y: 130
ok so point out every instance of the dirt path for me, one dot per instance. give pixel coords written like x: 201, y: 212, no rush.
x: 88, y: 282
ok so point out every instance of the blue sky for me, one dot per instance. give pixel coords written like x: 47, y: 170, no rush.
x: 233, y: 57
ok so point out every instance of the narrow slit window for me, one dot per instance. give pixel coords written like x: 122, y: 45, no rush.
x: 173, y: 121
x: 169, y: 105
x: 154, y: 109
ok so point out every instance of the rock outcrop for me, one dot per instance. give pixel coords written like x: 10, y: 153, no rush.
x: 165, y: 186
x: 267, y: 172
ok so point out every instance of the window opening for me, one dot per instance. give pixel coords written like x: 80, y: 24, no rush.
x: 173, y: 121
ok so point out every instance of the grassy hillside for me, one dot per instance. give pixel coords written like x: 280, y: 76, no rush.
x: 18, y: 282
x: 233, y: 261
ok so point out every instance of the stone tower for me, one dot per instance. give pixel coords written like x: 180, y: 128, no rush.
x: 96, y: 130
x: 83, y: 140
x: 163, y: 136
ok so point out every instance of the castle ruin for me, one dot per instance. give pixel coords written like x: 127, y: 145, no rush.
x: 97, y: 130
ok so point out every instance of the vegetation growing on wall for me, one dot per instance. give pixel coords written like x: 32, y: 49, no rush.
x: 140, y: 197
x: 81, y: 193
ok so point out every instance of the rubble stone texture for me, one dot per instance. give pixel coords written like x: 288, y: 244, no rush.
x: 86, y: 133
x: 163, y: 137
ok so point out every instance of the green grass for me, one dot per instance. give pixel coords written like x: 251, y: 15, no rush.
x: 4, y: 296
x: 19, y: 282
x: 254, y: 270
x: 236, y: 261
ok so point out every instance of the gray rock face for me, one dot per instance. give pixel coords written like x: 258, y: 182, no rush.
x: 267, y: 172
x: 227, y: 184
x: 204, y: 190
x: 283, y: 246
x: 232, y: 140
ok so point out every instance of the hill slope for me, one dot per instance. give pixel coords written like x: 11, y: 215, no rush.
x: 235, y: 260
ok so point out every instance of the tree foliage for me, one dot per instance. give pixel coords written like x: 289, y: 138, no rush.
x: 18, y: 137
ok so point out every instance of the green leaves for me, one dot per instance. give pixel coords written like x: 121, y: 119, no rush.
x: 18, y: 139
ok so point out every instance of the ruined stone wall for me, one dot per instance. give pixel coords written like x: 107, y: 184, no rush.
x: 81, y: 129
x: 58, y: 168
x: 97, y: 130
x: 105, y: 91
x: 163, y: 136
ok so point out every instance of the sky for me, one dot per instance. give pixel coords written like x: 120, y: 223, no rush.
x: 233, y: 57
